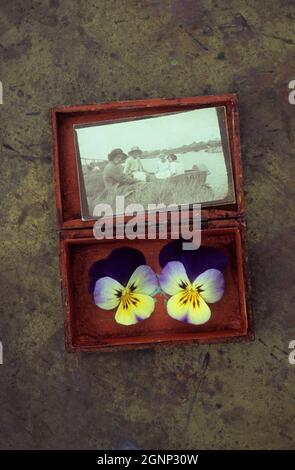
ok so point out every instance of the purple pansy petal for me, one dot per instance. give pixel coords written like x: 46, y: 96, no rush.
x: 173, y: 277
x: 107, y: 293
x: 96, y: 271
x: 119, y: 265
x: 143, y: 280
x: 91, y: 286
x: 194, y: 261
x: 210, y: 285
x: 206, y: 257
x: 172, y: 251
x: 122, y: 262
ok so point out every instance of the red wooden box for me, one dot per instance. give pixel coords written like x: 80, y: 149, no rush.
x: 91, y: 329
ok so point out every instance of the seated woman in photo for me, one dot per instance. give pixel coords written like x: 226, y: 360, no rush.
x: 133, y: 165
x: 114, y: 181
x: 170, y: 167
x: 176, y: 167
x: 163, y: 167
x: 113, y: 175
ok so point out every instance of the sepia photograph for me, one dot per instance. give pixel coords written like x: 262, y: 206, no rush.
x: 178, y: 158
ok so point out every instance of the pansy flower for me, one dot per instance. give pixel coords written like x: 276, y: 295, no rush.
x: 124, y: 282
x: 192, y: 279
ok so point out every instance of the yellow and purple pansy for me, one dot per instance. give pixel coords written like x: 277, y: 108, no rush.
x: 124, y: 282
x: 192, y: 279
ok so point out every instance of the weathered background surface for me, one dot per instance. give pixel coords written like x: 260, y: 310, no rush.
x: 69, y: 52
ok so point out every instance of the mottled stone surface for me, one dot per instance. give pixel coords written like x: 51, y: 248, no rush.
x: 69, y: 52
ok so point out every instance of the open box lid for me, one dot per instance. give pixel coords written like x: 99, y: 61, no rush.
x: 67, y: 172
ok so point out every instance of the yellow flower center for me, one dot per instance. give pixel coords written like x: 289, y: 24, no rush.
x: 128, y: 297
x: 190, y: 295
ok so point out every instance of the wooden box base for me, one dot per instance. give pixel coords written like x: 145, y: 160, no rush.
x: 89, y: 328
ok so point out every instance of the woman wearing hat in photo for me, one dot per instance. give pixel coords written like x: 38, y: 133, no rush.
x: 133, y: 165
x: 114, y: 181
x: 113, y: 175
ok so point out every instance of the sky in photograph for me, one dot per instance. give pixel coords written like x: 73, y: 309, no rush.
x: 170, y: 131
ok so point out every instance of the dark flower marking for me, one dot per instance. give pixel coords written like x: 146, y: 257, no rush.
x: 119, y: 265
x: 195, y: 261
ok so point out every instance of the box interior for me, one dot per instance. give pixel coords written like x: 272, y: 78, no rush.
x: 89, y: 327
